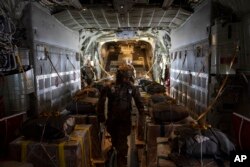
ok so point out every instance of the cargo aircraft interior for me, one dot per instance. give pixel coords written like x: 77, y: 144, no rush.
x: 124, y: 83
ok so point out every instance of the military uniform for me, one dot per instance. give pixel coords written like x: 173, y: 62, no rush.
x: 119, y: 114
x: 88, y: 74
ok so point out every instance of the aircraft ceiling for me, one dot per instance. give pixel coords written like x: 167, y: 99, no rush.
x: 121, y: 14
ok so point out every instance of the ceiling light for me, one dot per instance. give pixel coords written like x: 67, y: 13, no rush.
x: 121, y: 6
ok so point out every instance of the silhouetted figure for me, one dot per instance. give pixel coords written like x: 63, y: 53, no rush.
x: 120, y: 94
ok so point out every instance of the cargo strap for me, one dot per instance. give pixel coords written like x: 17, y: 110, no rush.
x: 67, y: 56
x: 79, y: 127
x: 151, y: 67
x: 61, y: 154
x: 184, y: 60
x: 162, y: 130
x: 103, y: 69
x: 220, y: 91
x: 79, y: 139
x: 240, y: 131
x: 170, y: 129
x: 24, y: 145
x: 28, y: 81
x: 47, y: 54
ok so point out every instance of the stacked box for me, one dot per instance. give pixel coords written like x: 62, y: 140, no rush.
x: 87, y: 119
x: 151, y: 156
x: 152, y: 131
x: 163, y: 147
x: 163, y: 151
x: 73, y: 151
x: 95, y: 129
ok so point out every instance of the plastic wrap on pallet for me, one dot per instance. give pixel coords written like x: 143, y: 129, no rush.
x: 165, y: 157
x: 187, y: 161
x: 74, y: 151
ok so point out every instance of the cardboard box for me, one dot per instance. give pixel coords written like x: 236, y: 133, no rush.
x: 156, y: 154
x: 153, y: 131
x: 87, y: 119
x: 94, y: 131
x: 74, y: 151
x: 163, y: 147
x: 163, y: 151
x: 151, y: 156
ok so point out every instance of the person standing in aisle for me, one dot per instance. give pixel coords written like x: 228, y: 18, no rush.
x: 120, y: 94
